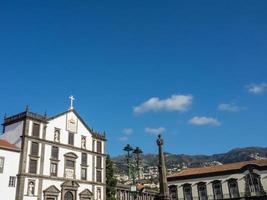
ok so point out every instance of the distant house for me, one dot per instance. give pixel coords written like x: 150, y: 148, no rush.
x: 242, y: 180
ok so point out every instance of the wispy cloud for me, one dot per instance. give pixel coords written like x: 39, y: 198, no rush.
x: 155, y: 131
x: 229, y: 107
x: 200, y: 121
x: 123, y: 138
x: 127, y: 131
x: 257, y: 88
x: 178, y: 103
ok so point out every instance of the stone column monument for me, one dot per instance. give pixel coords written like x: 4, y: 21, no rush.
x: 164, y: 192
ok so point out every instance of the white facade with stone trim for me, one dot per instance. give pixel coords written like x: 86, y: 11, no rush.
x: 59, y: 158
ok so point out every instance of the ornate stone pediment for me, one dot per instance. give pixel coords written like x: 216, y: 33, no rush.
x: 86, y: 193
x: 70, y: 184
x: 71, y: 155
x: 51, y: 190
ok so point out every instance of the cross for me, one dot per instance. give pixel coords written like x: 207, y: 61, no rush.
x: 71, y: 102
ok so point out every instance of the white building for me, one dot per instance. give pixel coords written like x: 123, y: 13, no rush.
x: 51, y: 158
x: 242, y: 180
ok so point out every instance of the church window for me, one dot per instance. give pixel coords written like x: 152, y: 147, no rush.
x: 98, y: 176
x: 35, y: 130
x: 202, y: 191
x: 57, y: 135
x: 31, y: 187
x: 70, y: 163
x: 12, y: 181
x: 53, y: 169
x: 83, y: 142
x: 98, y: 162
x: 33, y: 166
x: 2, y: 162
x: 34, y: 149
x: 54, y: 153
x: 71, y: 138
x: 233, y: 188
x: 99, y: 147
x: 217, y: 189
x: 84, y: 159
x: 83, y: 173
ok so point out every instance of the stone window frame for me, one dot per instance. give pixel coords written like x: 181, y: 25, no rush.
x: 54, y: 158
x: 36, y: 123
x: 185, y: 186
x: 29, y: 169
x: 57, y: 130
x: 34, y: 186
x: 232, y: 195
x: 199, y: 185
x: 101, y: 176
x: 251, y: 177
x: 38, y: 149
x: 97, y: 163
x: 3, y: 164
x: 56, y: 173
x: 86, y: 173
x: 173, y: 191
x: 73, y: 135
x: 82, y: 156
x: 83, y: 137
x: 72, y: 157
x: 98, y: 146
x: 12, y: 181
x: 219, y: 183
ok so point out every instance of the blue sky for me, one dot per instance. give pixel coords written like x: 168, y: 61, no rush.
x: 194, y: 71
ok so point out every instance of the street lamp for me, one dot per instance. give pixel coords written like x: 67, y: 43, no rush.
x: 133, y: 160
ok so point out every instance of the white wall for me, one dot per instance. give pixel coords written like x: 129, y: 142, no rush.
x: 11, y: 165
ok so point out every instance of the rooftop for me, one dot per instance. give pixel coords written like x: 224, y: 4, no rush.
x: 191, y: 172
x: 6, y: 145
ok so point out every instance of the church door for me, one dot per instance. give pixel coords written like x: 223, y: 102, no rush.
x: 68, y: 196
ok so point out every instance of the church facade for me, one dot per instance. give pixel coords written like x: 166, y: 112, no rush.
x: 51, y: 158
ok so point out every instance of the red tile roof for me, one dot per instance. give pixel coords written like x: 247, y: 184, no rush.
x: 6, y: 144
x: 217, y: 168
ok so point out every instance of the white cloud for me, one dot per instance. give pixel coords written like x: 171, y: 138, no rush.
x: 257, y: 88
x: 127, y: 131
x: 123, y: 138
x: 199, y: 121
x: 177, y: 103
x: 155, y: 131
x: 229, y: 107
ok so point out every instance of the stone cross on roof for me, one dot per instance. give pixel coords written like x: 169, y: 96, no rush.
x: 71, y: 102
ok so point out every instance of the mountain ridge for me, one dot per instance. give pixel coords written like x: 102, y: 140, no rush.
x: 172, y: 160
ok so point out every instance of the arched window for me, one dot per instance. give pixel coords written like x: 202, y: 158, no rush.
x: 173, y: 192
x: 217, y: 189
x: 202, y: 191
x: 187, y: 192
x: 68, y: 196
x: 233, y: 188
x: 253, y: 184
